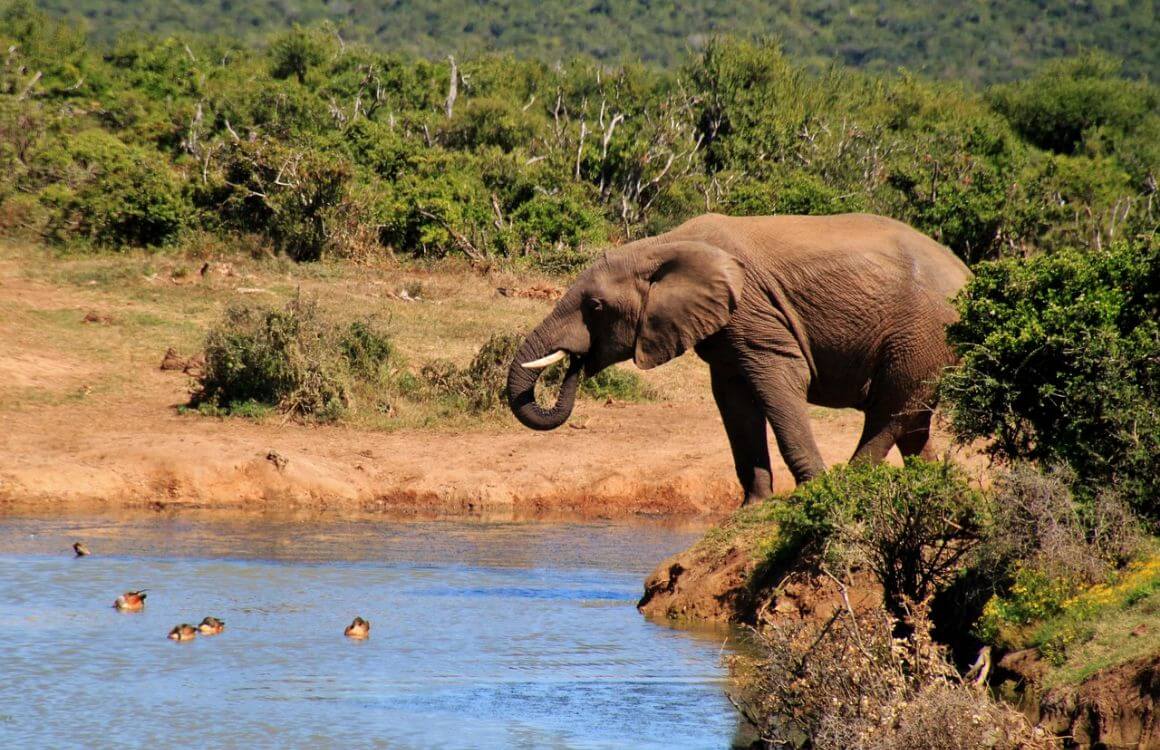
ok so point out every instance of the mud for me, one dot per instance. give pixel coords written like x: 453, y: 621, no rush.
x: 700, y: 585
x: 1116, y: 707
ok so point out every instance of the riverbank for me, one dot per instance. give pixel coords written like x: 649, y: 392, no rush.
x: 92, y: 423
x: 1096, y: 685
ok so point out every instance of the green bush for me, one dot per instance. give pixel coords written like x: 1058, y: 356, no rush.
x: 912, y: 525
x: 291, y: 194
x: 295, y: 52
x: 111, y: 194
x: 291, y: 358
x: 1061, y: 364
x: 1069, y: 99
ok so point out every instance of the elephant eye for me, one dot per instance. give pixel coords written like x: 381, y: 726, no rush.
x: 593, y: 304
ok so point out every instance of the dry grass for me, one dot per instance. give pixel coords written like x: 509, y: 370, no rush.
x: 157, y: 301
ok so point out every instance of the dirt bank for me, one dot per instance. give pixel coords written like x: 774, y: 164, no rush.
x: 90, y: 421
x: 722, y: 585
x: 1116, y: 707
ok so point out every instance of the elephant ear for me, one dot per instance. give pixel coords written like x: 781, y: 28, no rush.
x: 693, y: 289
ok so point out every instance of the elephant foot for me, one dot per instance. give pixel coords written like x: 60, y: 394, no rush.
x: 754, y: 498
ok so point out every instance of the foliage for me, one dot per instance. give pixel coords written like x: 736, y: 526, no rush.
x: 293, y: 358
x: 1061, y: 363
x: 957, y: 39
x: 911, y: 525
x: 1042, y: 547
x: 321, y: 146
x: 1072, y: 100
x: 110, y: 193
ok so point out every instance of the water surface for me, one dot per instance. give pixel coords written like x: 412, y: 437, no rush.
x: 483, y: 635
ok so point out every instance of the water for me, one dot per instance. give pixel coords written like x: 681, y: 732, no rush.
x: 483, y: 635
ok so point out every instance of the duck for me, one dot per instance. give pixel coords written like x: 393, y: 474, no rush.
x: 359, y: 629
x: 211, y: 626
x: 131, y: 601
x: 81, y: 549
x: 183, y: 632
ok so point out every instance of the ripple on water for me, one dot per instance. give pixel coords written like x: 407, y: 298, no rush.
x: 483, y: 635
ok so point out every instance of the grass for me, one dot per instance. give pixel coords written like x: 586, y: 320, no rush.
x: 161, y: 300
x: 1094, y: 631
x: 753, y: 528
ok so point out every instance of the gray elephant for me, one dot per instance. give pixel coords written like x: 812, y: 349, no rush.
x: 838, y: 311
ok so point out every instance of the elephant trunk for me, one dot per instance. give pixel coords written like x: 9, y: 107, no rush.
x: 521, y: 386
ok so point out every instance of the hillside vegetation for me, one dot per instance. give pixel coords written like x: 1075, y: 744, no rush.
x: 314, y: 147
x: 961, y: 39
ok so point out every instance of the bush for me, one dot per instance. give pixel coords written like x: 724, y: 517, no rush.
x: 1067, y: 100
x: 851, y: 684
x: 110, y: 193
x: 1041, y: 547
x: 291, y: 194
x: 911, y: 525
x: 482, y: 385
x: 1061, y: 364
x: 292, y: 359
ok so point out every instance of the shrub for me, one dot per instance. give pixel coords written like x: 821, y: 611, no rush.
x: 290, y: 358
x: 911, y: 525
x: 1041, y: 548
x: 1061, y: 364
x: 482, y: 385
x: 110, y: 193
x: 850, y: 683
x: 489, y: 121
x: 1064, y: 102
x: 295, y: 52
x: 289, y: 193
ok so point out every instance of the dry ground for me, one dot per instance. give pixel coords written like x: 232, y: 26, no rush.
x: 89, y: 422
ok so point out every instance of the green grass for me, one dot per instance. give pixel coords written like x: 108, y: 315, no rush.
x: 1094, y: 630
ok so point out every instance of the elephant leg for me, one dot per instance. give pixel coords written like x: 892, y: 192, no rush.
x: 782, y: 388
x: 915, y: 438
x: 744, y: 421
x: 879, y: 433
x: 908, y: 426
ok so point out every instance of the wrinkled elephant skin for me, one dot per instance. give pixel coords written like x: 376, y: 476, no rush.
x: 844, y: 311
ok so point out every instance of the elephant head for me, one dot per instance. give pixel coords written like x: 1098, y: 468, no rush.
x: 648, y: 301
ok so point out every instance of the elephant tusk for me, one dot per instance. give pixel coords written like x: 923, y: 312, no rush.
x: 547, y: 361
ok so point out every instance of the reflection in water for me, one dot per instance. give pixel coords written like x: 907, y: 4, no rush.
x: 483, y: 635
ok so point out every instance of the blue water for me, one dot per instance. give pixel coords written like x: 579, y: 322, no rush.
x: 483, y: 635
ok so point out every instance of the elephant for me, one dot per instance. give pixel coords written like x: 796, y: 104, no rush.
x: 842, y: 311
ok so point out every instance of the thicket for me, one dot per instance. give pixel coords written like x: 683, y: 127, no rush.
x: 294, y: 359
x: 318, y: 146
x: 852, y: 683
x: 1061, y: 364
x: 959, y: 39
x: 912, y: 526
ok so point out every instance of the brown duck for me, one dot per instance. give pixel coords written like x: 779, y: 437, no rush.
x: 183, y: 632
x: 211, y: 626
x: 80, y: 549
x: 131, y: 601
x: 359, y: 629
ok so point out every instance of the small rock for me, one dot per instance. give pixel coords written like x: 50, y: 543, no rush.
x: 172, y: 360
x: 277, y: 459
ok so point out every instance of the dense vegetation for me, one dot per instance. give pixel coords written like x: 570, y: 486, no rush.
x: 315, y: 147
x: 959, y: 39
